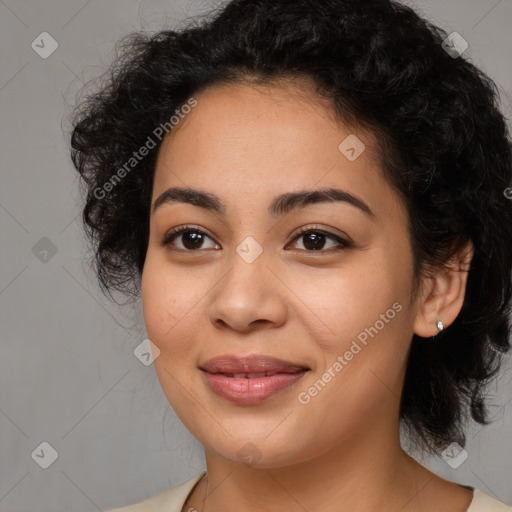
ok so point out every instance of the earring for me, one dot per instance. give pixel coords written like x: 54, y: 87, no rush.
x: 440, y: 325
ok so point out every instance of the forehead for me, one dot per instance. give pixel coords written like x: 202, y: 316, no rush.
x: 253, y: 142
x: 238, y: 114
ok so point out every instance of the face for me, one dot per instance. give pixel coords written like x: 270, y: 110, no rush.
x: 283, y: 325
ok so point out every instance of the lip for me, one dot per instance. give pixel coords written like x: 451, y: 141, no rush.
x: 264, y: 377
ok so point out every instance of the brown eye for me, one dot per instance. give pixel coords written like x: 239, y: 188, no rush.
x: 316, y: 240
x: 192, y: 239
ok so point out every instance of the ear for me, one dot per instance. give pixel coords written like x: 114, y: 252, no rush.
x: 443, y: 294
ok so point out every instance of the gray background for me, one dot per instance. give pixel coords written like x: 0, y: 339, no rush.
x: 68, y: 373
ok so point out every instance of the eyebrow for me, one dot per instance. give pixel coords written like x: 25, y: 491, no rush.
x: 280, y: 205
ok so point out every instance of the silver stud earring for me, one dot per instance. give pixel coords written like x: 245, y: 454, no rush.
x: 440, y: 325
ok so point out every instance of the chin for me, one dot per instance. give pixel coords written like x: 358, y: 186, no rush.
x: 248, y: 446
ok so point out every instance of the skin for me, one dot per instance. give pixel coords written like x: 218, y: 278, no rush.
x: 341, y: 451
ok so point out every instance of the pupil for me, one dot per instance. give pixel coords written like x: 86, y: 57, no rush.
x: 192, y: 240
x: 316, y: 240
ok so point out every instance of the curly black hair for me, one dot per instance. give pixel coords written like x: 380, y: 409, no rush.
x: 444, y: 146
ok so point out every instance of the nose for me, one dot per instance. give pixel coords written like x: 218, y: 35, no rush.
x: 249, y: 297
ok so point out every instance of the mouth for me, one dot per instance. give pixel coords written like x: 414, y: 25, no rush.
x: 253, y: 375
x: 250, y: 365
x: 252, y: 379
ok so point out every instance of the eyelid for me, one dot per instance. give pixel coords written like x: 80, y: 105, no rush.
x: 326, y: 231
x: 178, y: 230
x: 343, y: 240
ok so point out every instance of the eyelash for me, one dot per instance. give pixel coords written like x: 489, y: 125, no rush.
x: 175, y: 232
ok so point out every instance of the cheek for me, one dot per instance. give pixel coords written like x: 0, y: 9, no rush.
x: 363, y: 354
x: 169, y: 297
x: 343, y: 303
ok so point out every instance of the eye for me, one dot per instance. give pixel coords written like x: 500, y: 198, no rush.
x: 315, y: 240
x: 192, y: 238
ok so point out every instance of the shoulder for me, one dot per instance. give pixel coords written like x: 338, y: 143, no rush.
x: 484, y: 503
x: 171, y: 500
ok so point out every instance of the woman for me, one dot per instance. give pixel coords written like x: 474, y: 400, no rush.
x: 311, y: 199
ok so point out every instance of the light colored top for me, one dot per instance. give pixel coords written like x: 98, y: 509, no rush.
x: 172, y: 500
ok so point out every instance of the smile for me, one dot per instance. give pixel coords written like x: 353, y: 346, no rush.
x: 252, y: 379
